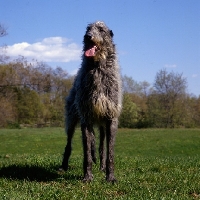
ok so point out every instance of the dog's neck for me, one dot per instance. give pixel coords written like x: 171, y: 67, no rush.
x: 90, y: 64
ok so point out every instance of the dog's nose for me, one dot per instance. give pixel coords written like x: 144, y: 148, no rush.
x: 89, y: 36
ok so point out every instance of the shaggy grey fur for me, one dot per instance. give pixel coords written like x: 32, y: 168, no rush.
x: 95, y: 98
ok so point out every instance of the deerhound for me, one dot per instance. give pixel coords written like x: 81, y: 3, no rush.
x: 95, y: 98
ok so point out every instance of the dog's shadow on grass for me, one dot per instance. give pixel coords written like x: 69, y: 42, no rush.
x: 35, y: 173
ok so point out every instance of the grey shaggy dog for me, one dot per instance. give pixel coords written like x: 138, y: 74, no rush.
x: 95, y: 99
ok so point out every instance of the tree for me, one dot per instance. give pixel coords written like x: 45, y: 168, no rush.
x: 129, y: 85
x: 3, y: 32
x: 166, y: 103
x: 29, y: 106
x: 138, y: 93
x: 32, y: 93
x: 129, y: 115
x: 7, y: 113
x: 192, y: 119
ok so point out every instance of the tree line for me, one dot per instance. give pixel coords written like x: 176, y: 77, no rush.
x: 33, y: 94
x: 166, y: 104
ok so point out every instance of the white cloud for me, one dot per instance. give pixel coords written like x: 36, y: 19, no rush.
x: 52, y: 49
x: 170, y: 65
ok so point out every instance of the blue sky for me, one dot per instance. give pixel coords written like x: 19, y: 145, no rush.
x: 150, y: 35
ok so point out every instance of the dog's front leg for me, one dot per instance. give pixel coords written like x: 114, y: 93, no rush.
x: 111, y: 129
x: 87, y: 162
x: 102, y: 154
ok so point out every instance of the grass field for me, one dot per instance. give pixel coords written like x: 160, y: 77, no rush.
x: 149, y: 164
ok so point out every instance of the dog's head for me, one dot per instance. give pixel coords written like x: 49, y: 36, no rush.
x: 97, y: 41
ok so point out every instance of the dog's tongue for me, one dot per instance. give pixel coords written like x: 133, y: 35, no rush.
x: 90, y: 52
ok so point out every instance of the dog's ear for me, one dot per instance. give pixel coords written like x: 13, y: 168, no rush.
x: 111, y: 33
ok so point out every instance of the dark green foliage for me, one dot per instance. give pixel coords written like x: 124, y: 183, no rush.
x: 13, y: 125
x: 129, y: 115
x: 28, y: 105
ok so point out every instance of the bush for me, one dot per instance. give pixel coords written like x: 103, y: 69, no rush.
x: 13, y: 125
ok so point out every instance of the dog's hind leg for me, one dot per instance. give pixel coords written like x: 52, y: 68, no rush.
x: 70, y: 132
x: 71, y: 122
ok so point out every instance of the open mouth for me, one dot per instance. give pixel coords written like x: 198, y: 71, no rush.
x: 91, y: 51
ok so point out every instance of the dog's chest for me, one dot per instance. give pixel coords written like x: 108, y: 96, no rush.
x: 98, y: 83
x: 97, y: 95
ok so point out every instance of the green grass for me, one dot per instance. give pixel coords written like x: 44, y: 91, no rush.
x: 149, y: 164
